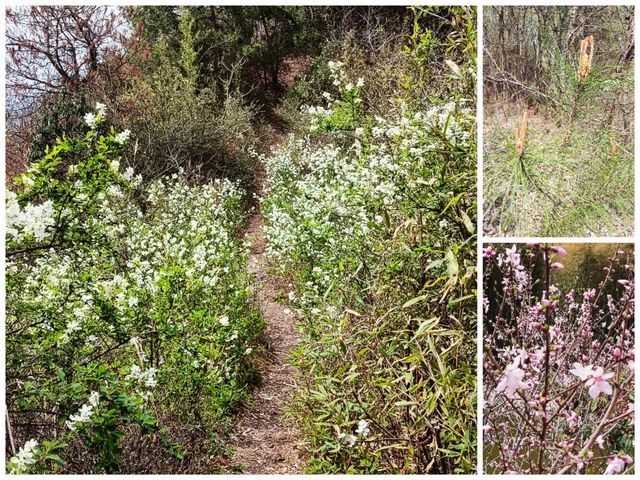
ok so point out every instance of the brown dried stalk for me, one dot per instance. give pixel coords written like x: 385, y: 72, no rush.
x: 586, y: 58
x: 584, y: 69
x: 521, y: 133
x: 614, y: 144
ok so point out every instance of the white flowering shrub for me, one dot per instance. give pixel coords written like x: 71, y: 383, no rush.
x: 115, y: 298
x: 373, y: 219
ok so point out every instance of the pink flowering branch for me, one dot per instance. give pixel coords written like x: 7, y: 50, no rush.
x: 539, y: 417
x: 547, y: 353
x: 599, y: 429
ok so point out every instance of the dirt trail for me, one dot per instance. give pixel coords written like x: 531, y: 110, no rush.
x: 264, y: 442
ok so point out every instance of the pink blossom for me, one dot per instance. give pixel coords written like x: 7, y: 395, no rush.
x: 488, y: 252
x: 557, y: 266
x: 571, y: 417
x: 513, y: 256
x: 561, y: 252
x: 600, y: 441
x: 616, y: 465
x: 512, y: 379
x: 583, y: 373
x: 599, y: 383
x: 627, y: 458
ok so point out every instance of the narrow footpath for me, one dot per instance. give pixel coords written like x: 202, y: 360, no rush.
x: 264, y: 442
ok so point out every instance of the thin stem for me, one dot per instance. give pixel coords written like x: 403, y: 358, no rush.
x: 547, y: 354
x: 10, y: 432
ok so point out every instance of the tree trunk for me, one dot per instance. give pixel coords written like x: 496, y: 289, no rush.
x: 629, y: 50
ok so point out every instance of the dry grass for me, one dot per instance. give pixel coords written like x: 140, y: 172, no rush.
x: 582, y: 189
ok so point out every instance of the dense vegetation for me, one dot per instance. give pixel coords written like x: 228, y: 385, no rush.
x: 133, y: 333
x: 561, y: 78
x: 127, y: 307
x: 366, y: 219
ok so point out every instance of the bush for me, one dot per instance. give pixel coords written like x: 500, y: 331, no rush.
x: 203, y: 132
x: 367, y: 216
x: 382, y: 73
x: 124, y: 304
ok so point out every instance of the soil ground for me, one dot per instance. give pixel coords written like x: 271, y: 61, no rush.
x: 264, y: 439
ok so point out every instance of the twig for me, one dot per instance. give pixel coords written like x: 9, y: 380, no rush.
x: 547, y: 354
x: 10, y: 432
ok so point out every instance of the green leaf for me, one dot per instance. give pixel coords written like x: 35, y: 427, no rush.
x: 460, y: 299
x: 471, y: 228
x: 425, y: 326
x: 452, y: 264
x: 415, y: 300
x: 451, y: 202
x: 55, y: 458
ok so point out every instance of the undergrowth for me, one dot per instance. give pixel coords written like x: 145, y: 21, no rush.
x: 582, y: 189
x: 572, y: 172
x: 372, y: 219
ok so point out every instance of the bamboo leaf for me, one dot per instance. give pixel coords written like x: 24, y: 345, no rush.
x: 452, y: 264
x: 413, y: 301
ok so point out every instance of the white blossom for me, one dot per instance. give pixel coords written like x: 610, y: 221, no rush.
x: 147, y: 377
x: 85, y: 412
x: 128, y: 174
x: 123, y: 136
x: 35, y: 219
x: 91, y: 119
x: 363, y: 428
x: 347, y: 439
x: 25, y: 457
x: 101, y: 109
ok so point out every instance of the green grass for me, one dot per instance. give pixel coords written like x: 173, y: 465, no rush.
x: 582, y: 189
